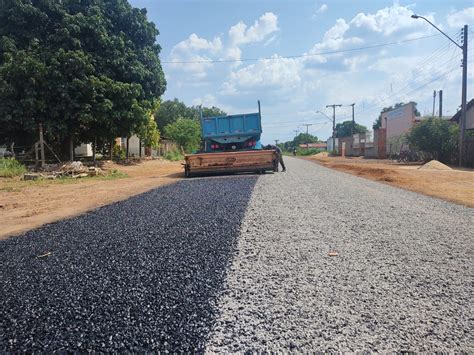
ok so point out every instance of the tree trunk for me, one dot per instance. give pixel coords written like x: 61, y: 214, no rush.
x: 71, y: 148
x: 140, y: 147
x: 111, y: 152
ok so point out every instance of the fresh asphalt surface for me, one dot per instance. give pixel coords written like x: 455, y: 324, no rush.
x: 240, y: 263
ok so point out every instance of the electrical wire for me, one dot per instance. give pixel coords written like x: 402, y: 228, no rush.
x: 299, y: 55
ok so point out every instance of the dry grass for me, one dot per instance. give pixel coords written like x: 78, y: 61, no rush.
x: 453, y: 185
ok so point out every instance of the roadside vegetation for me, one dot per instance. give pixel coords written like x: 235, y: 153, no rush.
x: 10, y: 167
x: 174, y: 155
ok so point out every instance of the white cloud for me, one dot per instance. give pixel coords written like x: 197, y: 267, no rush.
x: 461, y: 18
x: 354, y: 63
x: 264, y: 26
x: 323, y: 8
x: 207, y: 101
x: 195, y: 43
x: 283, y: 73
x: 388, y: 20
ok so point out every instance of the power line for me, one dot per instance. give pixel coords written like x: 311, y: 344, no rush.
x: 299, y: 55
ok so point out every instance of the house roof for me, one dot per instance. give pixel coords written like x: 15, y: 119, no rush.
x: 457, y: 116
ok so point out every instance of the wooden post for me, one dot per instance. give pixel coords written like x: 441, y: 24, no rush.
x: 140, y: 147
x: 128, y: 140
x: 36, y: 155
x: 111, y: 153
x: 71, y: 148
x: 41, y: 142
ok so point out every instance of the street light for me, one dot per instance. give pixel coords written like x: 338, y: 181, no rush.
x: 462, y: 120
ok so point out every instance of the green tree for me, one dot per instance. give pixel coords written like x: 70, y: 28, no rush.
x: 82, y: 68
x: 185, y: 132
x: 344, y: 129
x: 304, y: 138
x: 436, y: 136
x: 171, y: 110
x: 149, y: 133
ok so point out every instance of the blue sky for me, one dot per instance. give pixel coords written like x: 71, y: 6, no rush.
x: 255, y: 37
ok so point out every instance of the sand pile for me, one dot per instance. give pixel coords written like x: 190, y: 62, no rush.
x: 322, y: 154
x: 435, y: 165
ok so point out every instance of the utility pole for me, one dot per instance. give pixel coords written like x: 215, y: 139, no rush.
x: 462, y: 121
x: 307, y: 127
x: 333, y: 127
x: 440, y: 95
x: 434, y: 102
x: 276, y: 142
x: 353, y: 120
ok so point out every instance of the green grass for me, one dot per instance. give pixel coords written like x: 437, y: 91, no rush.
x: 174, y: 155
x: 9, y: 167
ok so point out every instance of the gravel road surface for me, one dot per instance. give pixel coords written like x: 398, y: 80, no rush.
x: 241, y: 263
x: 137, y: 275
x: 402, y: 279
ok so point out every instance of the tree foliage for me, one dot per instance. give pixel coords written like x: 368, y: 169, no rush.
x: 171, y: 110
x: 304, y: 138
x: 185, y: 132
x: 85, y: 69
x: 344, y: 129
x: 435, y: 136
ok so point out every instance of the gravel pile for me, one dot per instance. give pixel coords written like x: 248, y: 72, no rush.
x: 138, y: 275
x: 401, y: 279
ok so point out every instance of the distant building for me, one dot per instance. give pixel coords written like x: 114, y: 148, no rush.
x: 396, y: 124
x: 330, y: 146
x: 469, y: 115
x: 320, y: 145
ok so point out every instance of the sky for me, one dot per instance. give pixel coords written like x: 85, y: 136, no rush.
x: 298, y: 56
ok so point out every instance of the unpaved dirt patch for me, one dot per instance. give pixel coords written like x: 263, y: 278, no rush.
x: 25, y: 206
x: 433, y: 179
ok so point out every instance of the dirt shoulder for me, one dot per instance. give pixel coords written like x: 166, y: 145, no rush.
x: 452, y: 185
x: 25, y: 205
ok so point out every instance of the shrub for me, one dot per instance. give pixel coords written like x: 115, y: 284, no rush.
x: 306, y: 152
x: 174, y: 155
x: 10, y: 167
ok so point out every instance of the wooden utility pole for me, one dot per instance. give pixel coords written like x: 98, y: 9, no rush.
x: 353, y: 120
x: 440, y: 95
x: 434, y: 102
x: 333, y: 127
x: 307, y: 134
x: 41, y: 142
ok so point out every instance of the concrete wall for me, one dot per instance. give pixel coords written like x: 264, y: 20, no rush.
x: 329, y: 144
x: 399, y: 121
x: 84, y: 150
x: 470, y: 118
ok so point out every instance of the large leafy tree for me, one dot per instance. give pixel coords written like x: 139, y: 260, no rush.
x: 344, y: 129
x: 85, y: 69
x: 171, y: 110
x: 304, y: 138
x: 435, y: 136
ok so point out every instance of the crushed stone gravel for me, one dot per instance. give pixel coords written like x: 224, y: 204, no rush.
x: 138, y: 275
x: 399, y: 278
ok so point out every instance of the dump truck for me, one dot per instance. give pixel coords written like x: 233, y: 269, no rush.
x: 231, y: 144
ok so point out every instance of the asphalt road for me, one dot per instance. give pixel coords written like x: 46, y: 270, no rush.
x: 241, y: 263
